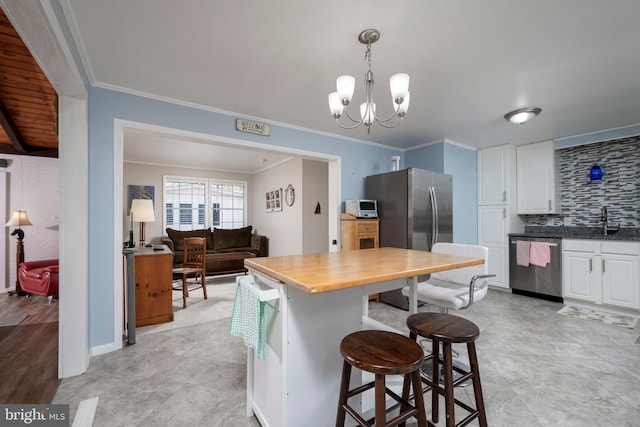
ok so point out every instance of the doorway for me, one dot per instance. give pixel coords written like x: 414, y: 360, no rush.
x: 120, y: 127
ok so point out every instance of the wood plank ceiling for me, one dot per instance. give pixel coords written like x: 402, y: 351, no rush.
x: 28, y: 102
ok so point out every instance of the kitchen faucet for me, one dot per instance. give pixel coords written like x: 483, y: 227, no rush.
x: 605, y: 220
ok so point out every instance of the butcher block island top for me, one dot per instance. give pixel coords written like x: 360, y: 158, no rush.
x: 333, y: 271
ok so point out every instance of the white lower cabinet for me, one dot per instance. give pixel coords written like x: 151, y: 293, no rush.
x: 602, y: 272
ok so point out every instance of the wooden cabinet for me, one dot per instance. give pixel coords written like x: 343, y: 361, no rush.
x: 153, y: 286
x: 602, y: 272
x: 538, y: 191
x: 359, y: 233
x: 497, y: 208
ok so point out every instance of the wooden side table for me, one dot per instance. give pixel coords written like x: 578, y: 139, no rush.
x: 153, y: 278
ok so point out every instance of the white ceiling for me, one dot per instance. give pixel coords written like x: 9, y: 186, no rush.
x: 470, y: 62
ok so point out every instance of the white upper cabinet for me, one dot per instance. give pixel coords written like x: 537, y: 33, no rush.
x: 538, y: 192
x: 493, y: 175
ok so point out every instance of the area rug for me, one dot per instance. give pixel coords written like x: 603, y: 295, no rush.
x: 609, y: 318
x: 12, y: 321
x: 221, y: 294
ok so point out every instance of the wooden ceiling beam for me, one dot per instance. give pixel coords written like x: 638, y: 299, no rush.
x: 12, y: 131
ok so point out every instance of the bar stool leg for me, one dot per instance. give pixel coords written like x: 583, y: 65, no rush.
x: 477, y: 388
x: 344, y: 392
x: 381, y: 397
x: 448, y: 383
x: 406, y: 390
x: 419, y: 398
x: 435, y: 378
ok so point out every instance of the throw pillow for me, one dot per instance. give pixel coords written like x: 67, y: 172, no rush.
x: 178, y: 236
x: 232, y: 238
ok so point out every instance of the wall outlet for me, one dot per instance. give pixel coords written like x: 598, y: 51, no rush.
x: 549, y: 221
x: 568, y: 220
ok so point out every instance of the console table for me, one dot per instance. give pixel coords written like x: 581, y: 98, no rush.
x: 153, y: 275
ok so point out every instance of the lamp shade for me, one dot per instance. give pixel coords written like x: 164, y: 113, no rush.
x: 335, y: 106
x: 18, y: 219
x: 368, y: 112
x: 345, y: 86
x: 399, y: 85
x: 142, y: 210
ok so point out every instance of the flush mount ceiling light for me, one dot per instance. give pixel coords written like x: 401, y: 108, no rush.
x: 522, y: 115
x: 339, y: 100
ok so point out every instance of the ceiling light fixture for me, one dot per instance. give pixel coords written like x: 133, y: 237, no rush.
x: 339, y: 100
x: 522, y: 115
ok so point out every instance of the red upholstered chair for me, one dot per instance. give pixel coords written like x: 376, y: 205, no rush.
x: 39, y: 277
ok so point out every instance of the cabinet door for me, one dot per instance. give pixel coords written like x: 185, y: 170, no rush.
x: 493, y: 225
x: 620, y: 280
x: 497, y: 264
x: 578, y: 276
x: 493, y: 175
x: 536, y: 178
x: 492, y: 233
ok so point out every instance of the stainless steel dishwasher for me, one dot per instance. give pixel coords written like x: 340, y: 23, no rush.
x: 535, y: 281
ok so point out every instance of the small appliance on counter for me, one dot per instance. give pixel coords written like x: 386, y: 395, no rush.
x: 361, y: 208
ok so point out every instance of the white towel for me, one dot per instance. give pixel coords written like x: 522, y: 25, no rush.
x: 247, y: 318
x: 522, y: 253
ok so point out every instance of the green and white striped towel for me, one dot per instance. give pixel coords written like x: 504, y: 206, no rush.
x: 247, y: 318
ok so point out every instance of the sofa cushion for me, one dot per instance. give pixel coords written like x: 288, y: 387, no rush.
x: 178, y: 236
x: 231, y: 238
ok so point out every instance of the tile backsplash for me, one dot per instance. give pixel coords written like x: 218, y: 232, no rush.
x: 619, y: 189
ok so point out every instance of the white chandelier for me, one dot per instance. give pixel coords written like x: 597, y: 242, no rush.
x: 399, y: 84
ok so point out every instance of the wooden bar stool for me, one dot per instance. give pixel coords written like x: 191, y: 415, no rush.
x: 382, y: 353
x: 449, y: 329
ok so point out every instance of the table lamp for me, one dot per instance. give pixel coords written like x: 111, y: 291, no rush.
x: 18, y: 219
x: 142, y: 211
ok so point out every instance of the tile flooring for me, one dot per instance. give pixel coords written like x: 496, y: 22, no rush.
x: 538, y: 368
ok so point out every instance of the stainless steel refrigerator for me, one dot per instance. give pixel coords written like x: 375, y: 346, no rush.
x: 415, y: 207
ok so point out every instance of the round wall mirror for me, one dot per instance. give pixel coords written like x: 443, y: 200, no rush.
x: 289, y: 195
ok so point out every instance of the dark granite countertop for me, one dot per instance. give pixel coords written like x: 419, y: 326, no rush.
x: 592, y: 233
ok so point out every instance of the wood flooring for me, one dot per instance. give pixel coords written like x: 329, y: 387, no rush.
x: 29, y: 351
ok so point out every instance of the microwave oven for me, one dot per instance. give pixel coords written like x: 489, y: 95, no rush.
x: 361, y: 208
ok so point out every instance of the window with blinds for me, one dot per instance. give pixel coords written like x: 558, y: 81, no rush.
x: 196, y: 203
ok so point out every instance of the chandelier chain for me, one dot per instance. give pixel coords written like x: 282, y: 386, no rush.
x: 367, y: 54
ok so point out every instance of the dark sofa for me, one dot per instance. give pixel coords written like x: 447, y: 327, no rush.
x: 219, y: 241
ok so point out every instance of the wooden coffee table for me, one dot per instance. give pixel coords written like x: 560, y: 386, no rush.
x: 229, y: 256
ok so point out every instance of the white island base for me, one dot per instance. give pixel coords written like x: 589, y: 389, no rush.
x: 299, y: 382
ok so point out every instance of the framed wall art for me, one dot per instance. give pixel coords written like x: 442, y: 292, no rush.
x: 273, y: 200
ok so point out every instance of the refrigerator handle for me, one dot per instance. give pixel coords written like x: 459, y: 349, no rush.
x: 434, y: 216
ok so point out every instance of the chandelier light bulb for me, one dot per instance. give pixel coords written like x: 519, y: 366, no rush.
x: 367, y: 113
x: 399, y: 85
x: 335, y: 106
x: 345, y: 86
